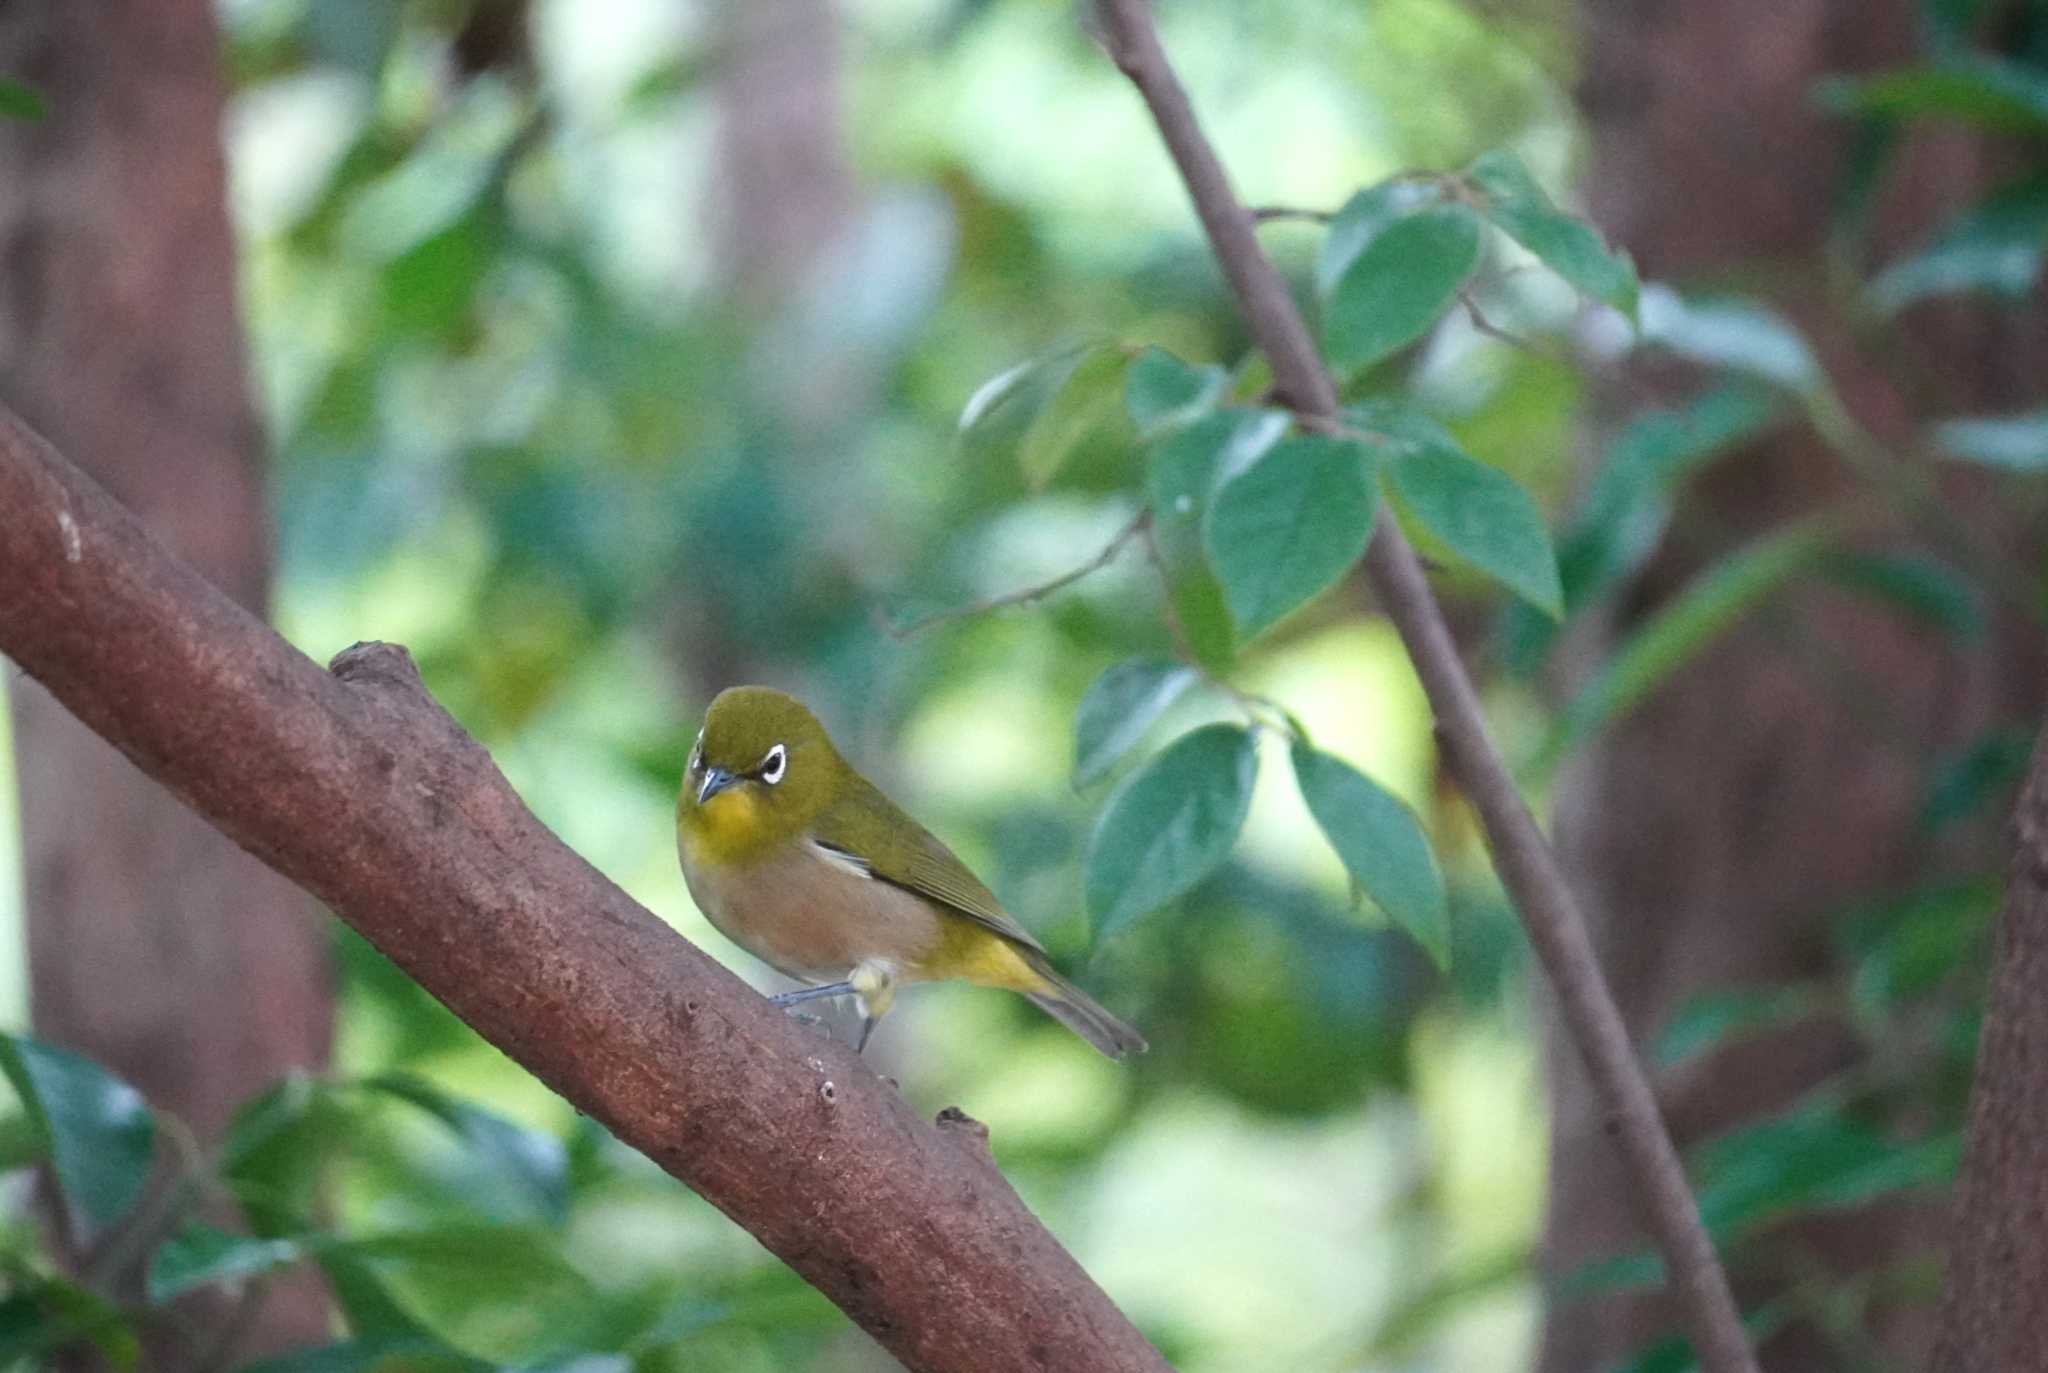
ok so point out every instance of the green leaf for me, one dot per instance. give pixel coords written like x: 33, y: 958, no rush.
x: 1088, y: 398
x: 1382, y: 845
x: 1184, y: 468
x: 1925, y: 588
x: 1288, y: 526
x: 1162, y: 391
x: 1191, y: 462
x: 1170, y: 824
x: 1997, y: 248
x: 1117, y: 709
x: 1730, y: 332
x: 501, y: 1293
x: 1399, y: 283
x: 1713, y: 1019
x: 1973, y: 88
x: 1906, y: 945
x: 18, y: 101
x: 45, y: 1315
x: 1362, y: 219
x: 1623, y: 515
x: 2016, y: 443
x: 1564, y: 243
x: 514, y: 1173
x: 199, y: 1255
x: 101, y: 1135
x: 1813, y: 1158
x: 404, y: 1353
x: 1003, y: 409
x: 1711, y: 605
x: 1478, y: 512
x: 1965, y: 782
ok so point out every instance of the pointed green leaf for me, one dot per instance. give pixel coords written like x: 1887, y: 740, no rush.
x: 1714, y: 1019
x: 1162, y: 391
x: 1973, y: 88
x: 200, y: 1254
x: 1997, y: 248
x: 1730, y: 332
x: 1623, y: 515
x: 496, y: 1292
x: 1088, y: 397
x: 1117, y: 709
x: 1400, y: 282
x: 1918, y: 585
x: 1170, y: 824
x: 1477, y: 512
x: 1362, y: 219
x: 1564, y: 243
x: 1188, y: 465
x: 1184, y: 468
x: 1003, y: 409
x: 102, y: 1137
x: 515, y: 1174
x: 1711, y: 605
x: 1382, y: 845
x: 2017, y: 443
x: 1288, y: 526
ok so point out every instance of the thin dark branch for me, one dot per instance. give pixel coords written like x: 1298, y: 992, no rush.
x: 1482, y: 324
x: 1527, y: 866
x: 357, y: 785
x: 1030, y: 595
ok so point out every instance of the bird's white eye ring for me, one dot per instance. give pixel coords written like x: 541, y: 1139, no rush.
x: 773, y: 765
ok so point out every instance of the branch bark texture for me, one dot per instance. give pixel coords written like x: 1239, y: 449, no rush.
x: 361, y: 788
x: 1528, y: 866
x: 1994, y: 1310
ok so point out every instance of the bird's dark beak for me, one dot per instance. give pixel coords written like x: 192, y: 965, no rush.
x: 715, y: 781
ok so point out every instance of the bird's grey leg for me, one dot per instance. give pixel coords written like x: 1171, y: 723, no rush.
x: 803, y: 994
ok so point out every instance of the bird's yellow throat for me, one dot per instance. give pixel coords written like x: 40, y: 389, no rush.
x: 727, y: 828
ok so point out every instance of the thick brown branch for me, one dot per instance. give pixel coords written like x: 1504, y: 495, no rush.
x: 360, y: 787
x: 1994, y: 1313
x: 1528, y: 867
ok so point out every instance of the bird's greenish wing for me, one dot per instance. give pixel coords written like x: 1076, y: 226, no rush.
x: 868, y: 827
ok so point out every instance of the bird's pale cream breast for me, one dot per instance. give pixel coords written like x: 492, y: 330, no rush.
x: 809, y: 913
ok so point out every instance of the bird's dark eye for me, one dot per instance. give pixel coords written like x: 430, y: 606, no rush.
x: 773, y: 765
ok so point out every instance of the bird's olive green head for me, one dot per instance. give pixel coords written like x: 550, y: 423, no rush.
x: 762, y: 769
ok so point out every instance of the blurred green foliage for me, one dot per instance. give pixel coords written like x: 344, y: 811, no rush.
x: 524, y: 424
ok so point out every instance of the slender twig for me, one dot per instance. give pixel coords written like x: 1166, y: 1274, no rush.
x: 160, y: 1211
x: 1030, y: 595
x: 1273, y: 214
x: 1483, y: 324
x: 1528, y: 867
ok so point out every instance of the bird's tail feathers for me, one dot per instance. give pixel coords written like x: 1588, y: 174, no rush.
x: 1082, y: 1014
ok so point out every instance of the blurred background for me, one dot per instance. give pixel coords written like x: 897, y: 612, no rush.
x: 606, y: 355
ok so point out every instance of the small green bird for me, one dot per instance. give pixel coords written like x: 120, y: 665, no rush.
x: 805, y: 864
